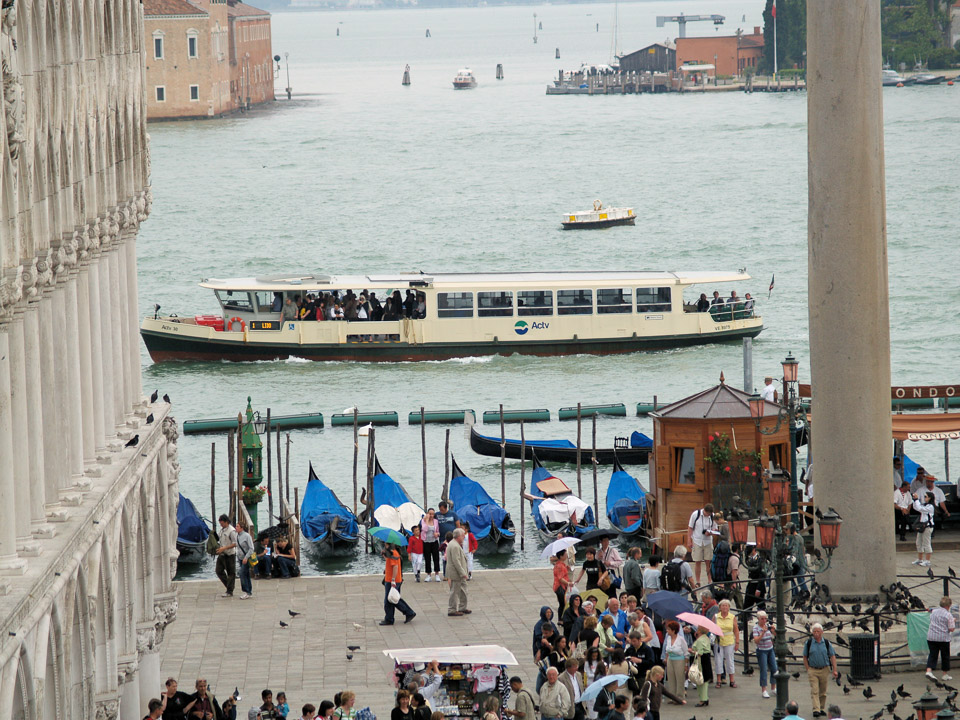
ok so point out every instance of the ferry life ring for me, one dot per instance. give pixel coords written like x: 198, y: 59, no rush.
x: 243, y: 325
x: 597, y: 205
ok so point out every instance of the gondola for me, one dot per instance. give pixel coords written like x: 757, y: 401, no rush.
x: 192, y: 533
x: 636, y: 453
x: 489, y: 522
x: 393, y: 506
x: 626, y: 505
x: 330, y: 528
x: 555, y: 508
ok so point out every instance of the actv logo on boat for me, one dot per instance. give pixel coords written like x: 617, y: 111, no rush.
x: 520, y: 328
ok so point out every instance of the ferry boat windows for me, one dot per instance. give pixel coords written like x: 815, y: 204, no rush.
x: 235, y: 300
x: 455, y: 304
x: 574, y: 302
x: 494, y: 304
x: 269, y: 301
x: 534, y: 302
x: 653, y: 299
x: 614, y: 300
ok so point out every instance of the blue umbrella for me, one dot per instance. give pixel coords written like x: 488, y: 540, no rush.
x: 594, y: 688
x: 668, y: 604
x: 388, y: 535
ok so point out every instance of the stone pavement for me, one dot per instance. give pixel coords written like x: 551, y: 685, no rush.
x: 240, y: 643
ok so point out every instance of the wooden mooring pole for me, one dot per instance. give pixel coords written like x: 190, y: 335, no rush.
x: 523, y: 479
x: 579, y: 427
x: 446, y: 468
x: 213, y: 483
x: 593, y: 457
x: 423, y: 454
x: 356, y: 452
x: 270, y: 477
x: 230, y: 468
x: 287, y: 472
x: 503, y: 459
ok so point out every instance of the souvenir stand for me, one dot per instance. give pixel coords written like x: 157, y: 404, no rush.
x: 471, y: 674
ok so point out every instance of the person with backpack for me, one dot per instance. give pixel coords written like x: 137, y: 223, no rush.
x: 676, y: 575
x: 820, y: 662
x: 718, y: 569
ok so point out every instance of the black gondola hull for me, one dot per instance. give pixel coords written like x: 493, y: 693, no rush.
x: 605, y: 456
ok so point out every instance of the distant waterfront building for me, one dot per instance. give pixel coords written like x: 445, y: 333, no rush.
x: 955, y: 24
x: 206, y: 58
x: 731, y: 54
x: 659, y: 58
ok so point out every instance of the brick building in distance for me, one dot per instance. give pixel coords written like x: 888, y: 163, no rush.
x: 732, y: 54
x: 206, y: 58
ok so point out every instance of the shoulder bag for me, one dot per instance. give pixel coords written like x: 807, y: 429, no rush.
x: 695, y: 674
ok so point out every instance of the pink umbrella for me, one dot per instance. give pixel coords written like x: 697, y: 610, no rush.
x: 701, y: 621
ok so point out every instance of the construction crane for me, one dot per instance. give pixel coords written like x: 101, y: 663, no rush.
x: 684, y: 19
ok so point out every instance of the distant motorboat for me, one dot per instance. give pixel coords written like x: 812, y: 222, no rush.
x: 599, y: 217
x: 891, y: 78
x: 464, y: 79
x: 928, y: 79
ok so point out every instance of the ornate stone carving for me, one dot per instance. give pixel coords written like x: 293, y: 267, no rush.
x: 44, y: 270
x: 142, y: 211
x: 108, y: 709
x: 95, y: 234
x: 127, y: 669
x: 172, y: 432
x: 146, y: 639
x: 11, y: 290
x: 10, y: 77
x: 83, y: 242
x: 164, y: 612
x: 29, y: 278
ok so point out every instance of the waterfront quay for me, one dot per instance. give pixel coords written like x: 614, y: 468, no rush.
x: 240, y: 644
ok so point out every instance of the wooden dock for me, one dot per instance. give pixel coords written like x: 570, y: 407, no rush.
x: 635, y: 83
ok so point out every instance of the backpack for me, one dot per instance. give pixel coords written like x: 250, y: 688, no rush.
x: 671, y: 577
x: 806, y: 647
x: 719, y: 564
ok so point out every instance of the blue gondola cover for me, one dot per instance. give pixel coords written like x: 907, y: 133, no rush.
x: 473, y: 504
x: 320, y: 505
x: 639, y: 440
x: 626, y: 501
x: 534, y: 443
x: 190, y: 526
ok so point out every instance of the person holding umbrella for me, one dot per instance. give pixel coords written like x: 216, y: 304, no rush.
x: 393, y: 578
x: 561, y: 580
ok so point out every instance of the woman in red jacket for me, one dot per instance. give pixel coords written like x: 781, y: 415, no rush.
x: 561, y: 581
x: 472, y: 546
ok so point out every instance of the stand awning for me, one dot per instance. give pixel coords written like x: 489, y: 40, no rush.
x: 472, y: 654
x: 926, y: 426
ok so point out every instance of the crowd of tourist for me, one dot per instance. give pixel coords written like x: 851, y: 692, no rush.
x: 202, y: 704
x: 266, y: 557
x: 347, y: 305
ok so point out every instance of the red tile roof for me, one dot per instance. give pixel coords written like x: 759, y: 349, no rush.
x: 170, y: 7
x: 235, y: 8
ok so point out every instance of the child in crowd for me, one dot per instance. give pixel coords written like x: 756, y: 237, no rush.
x: 472, y: 546
x: 283, y: 708
x: 415, y: 551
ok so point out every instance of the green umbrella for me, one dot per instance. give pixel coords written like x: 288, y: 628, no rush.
x: 388, y: 535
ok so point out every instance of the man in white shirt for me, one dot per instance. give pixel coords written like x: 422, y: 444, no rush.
x: 700, y: 532
x: 571, y: 681
x: 554, y: 698
x: 769, y: 391
x: 902, y: 502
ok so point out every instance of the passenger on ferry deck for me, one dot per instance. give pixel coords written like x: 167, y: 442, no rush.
x: 421, y: 311
x: 322, y: 309
x: 733, y: 298
x: 389, y: 310
x: 362, y: 310
x: 350, y: 306
x: 748, y: 303
x: 289, y: 310
x: 277, y: 302
x: 409, y: 304
x: 717, y: 300
x: 397, y: 304
x: 376, y: 309
x: 703, y: 305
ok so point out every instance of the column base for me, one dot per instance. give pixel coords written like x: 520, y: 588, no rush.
x: 79, y: 483
x: 103, y: 458
x: 70, y: 498
x: 93, y: 471
x: 26, y: 547
x: 42, y: 531
x: 57, y: 515
x: 13, y: 565
x: 116, y: 445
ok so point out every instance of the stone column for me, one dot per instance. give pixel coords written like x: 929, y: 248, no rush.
x: 120, y: 368
x: 110, y: 419
x: 86, y: 366
x: 35, y: 448
x: 848, y: 301
x: 133, y: 318
x: 119, y: 263
x: 10, y: 564
x: 96, y: 356
x: 74, y: 381
x: 61, y: 386
x: 21, y: 443
x: 52, y: 469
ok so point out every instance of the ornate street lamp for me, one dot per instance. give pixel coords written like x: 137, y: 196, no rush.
x: 739, y: 525
x: 946, y: 714
x: 791, y: 368
x: 778, y: 486
x: 766, y: 532
x: 830, y: 531
x: 927, y: 706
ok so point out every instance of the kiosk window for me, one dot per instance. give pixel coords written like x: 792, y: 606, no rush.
x: 494, y: 304
x: 614, y: 300
x: 535, y: 302
x: 653, y: 299
x: 574, y: 302
x: 455, y: 304
x: 685, y: 466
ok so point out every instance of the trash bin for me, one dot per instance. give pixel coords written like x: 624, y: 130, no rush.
x: 864, y: 656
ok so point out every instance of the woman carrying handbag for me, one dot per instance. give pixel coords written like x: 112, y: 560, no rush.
x: 701, y: 668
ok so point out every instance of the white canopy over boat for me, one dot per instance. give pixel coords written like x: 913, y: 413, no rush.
x: 471, y: 654
x: 561, y: 509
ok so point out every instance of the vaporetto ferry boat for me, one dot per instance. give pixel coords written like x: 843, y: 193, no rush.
x: 452, y: 315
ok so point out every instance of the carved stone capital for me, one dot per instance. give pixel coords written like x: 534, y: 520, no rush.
x: 30, y: 278
x: 164, y: 612
x: 11, y: 290
x: 83, y: 242
x: 170, y: 430
x: 96, y: 235
x: 146, y: 639
x: 143, y: 211
x: 108, y: 707
x: 127, y: 667
x: 45, y: 277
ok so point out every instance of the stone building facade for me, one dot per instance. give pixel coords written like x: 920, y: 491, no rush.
x: 732, y: 54
x: 88, y: 481
x: 205, y: 58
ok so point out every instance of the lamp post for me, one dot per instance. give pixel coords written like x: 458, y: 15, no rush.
x: 286, y: 58
x: 927, y: 706
x: 787, y: 412
x: 775, y: 547
x: 251, y: 449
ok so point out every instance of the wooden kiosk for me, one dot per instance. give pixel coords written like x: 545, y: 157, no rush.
x: 708, y: 448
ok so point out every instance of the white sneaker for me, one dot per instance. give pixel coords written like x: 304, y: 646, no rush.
x: 429, y: 578
x: 946, y: 677
x: 766, y: 694
x: 917, y: 562
x: 924, y: 563
x: 437, y: 578
x: 227, y: 595
x: 930, y: 675
x: 244, y: 596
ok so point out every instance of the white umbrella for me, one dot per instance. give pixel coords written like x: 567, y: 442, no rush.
x: 558, y: 545
x: 594, y: 688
